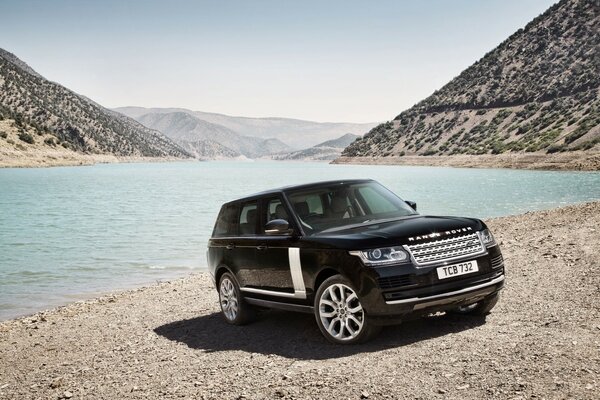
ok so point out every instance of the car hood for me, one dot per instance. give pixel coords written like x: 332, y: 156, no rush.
x: 408, y: 230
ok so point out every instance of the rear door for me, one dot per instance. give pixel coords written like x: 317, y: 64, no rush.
x: 244, y: 260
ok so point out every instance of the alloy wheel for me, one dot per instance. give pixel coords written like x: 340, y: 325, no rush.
x: 229, y: 299
x: 341, y: 313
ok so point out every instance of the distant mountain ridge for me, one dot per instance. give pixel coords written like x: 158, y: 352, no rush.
x: 207, y: 140
x: 536, y: 92
x: 298, y: 134
x: 326, y: 151
x: 73, y: 121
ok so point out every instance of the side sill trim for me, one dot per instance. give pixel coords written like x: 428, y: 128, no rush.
x: 295, y: 295
x: 279, y: 306
x: 448, y: 294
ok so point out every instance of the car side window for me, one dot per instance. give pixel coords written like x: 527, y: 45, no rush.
x: 248, y: 217
x: 276, y: 210
x: 226, y: 221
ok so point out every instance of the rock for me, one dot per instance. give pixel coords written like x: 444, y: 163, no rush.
x: 56, y: 383
x: 441, y: 391
x: 67, y: 395
x: 463, y: 387
x: 364, y: 395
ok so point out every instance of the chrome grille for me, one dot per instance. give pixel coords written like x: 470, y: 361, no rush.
x: 446, y: 249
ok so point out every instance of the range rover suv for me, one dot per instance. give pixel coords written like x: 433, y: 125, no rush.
x: 352, y: 253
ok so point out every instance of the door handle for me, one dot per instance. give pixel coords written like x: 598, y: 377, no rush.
x: 230, y: 246
x: 261, y: 247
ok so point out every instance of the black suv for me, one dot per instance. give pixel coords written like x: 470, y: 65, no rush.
x: 352, y: 253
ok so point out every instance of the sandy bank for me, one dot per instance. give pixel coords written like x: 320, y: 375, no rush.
x: 569, y: 161
x: 167, y: 340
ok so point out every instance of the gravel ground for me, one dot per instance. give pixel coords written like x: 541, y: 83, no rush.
x: 168, y: 341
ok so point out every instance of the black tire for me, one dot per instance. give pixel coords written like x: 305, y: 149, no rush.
x: 482, y: 307
x: 233, y: 307
x: 339, y: 313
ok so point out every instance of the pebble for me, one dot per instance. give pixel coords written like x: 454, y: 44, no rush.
x: 56, y: 383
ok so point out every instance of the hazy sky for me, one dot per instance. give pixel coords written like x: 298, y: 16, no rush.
x: 357, y: 61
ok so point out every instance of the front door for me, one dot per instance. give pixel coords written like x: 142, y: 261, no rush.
x: 277, y: 257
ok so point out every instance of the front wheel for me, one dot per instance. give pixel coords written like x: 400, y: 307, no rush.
x: 233, y: 307
x: 340, y: 314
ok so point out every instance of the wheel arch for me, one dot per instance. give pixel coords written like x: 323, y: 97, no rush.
x: 324, y: 273
x: 221, y: 269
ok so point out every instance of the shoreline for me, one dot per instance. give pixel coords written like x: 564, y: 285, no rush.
x: 567, y: 161
x: 80, y: 160
x: 167, y: 339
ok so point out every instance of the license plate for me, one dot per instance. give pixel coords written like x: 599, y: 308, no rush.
x: 457, y: 269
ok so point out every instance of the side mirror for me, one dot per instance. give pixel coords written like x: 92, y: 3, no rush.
x: 277, y: 227
x: 412, y: 204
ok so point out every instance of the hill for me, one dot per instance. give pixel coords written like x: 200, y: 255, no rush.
x: 537, y: 92
x: 328, y: 150
x: 207, y: 140
x: 46, y: 110
x: 298, y: 134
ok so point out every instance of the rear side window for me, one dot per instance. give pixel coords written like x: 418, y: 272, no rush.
x: 248, y: 219
x: 227, y: 221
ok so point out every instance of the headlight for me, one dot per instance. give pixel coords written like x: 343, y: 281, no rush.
x: 487, y: 238
x: 382, y: 256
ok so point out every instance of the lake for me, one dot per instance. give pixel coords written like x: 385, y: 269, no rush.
x: 68, y: 233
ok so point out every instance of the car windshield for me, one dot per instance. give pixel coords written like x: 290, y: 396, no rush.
x: 338, y: 206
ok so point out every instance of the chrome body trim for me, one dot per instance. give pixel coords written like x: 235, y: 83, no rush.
x: 448, y: 294
x: 296, y: 270
x: 271, y: 293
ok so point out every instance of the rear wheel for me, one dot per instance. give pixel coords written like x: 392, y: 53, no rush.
x: 233, y: 307
x: 339, y: 313
x: 482, y: 307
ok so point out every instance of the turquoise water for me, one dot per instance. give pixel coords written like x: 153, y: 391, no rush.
x: 71, y: 232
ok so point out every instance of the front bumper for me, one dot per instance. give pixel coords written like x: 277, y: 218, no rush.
x: 396, y: 293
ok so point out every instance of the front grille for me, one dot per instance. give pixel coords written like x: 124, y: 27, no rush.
x: 446, y: 249
x: 497, y: 262
x: 395, y: 281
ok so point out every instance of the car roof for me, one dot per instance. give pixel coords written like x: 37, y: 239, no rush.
x: 292, y: 188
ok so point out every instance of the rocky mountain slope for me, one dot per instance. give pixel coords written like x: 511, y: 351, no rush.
x: 206, y: 140
x: 298, y: 134
x: 328, y: 150
x: 61, y: 117
x: 537, y: 92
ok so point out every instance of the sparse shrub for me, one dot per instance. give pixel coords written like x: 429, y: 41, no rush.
x: 3, y: 135
x: 480, y: 112
x: 50, y: 142
x: 10, y: 141
x: 402, y: 154
x: 26, y: 137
